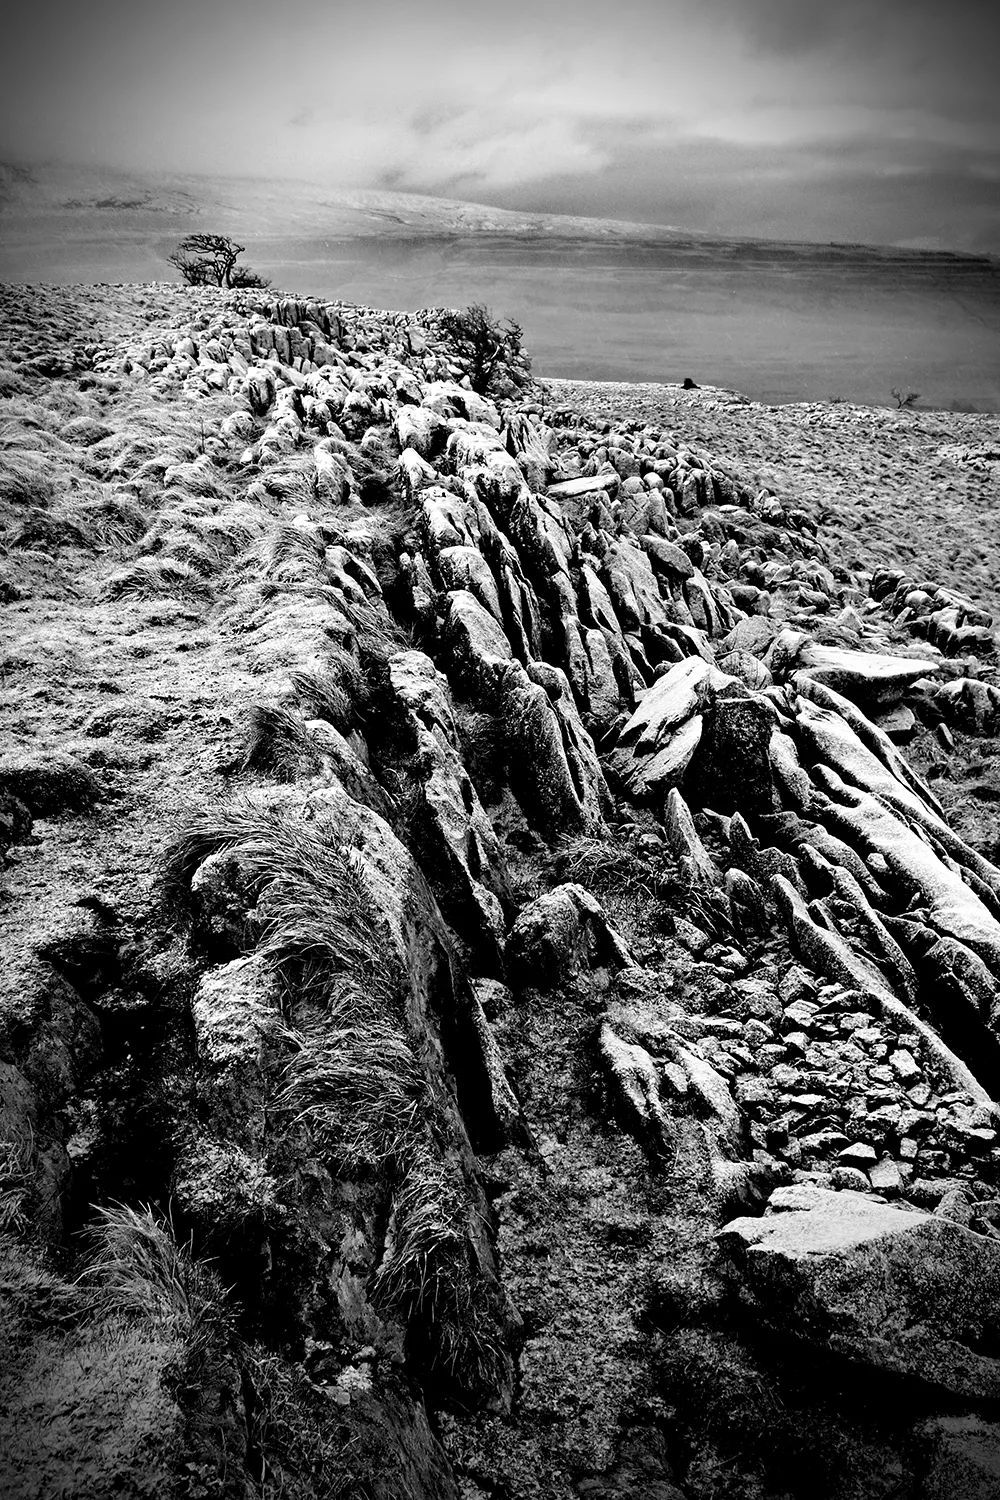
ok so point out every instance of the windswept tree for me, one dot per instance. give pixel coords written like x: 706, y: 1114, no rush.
x: 210, y: 260
x: 484, y: 345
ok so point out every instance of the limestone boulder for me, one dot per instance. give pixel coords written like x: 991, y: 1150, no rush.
x: 553, y: 766
x: 905, y: 1292
x: 866, y: 677
x: 479, y: 647
x: 562, y: 933
x: 452, y: 834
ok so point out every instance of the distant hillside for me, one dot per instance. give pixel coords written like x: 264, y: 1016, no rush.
x: 598, y: 299
x: 82, y: 201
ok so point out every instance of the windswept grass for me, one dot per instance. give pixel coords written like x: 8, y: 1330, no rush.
x: 113, y: 519
x: 25, y: 484
x: 138, y: 1268
x: 45, y: 530
x: 353, y: 1079
x: 278, y: 744
x: 329, y: 695
x: 454, y: 1316
x: 151, y: 577
x: 316, y: 914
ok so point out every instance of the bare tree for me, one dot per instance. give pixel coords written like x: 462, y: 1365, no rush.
x: 210, y: 260
x: 905, y: 401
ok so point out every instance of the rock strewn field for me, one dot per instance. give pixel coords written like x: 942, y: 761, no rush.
x: 502, y: 922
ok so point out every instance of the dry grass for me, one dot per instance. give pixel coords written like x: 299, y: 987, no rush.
x: 278, y: 744
x: 331, y: 694
x: 25, y: 484
x: 15, y: 1184
x: 114, y: 520
x: 316, y: 916
x: 453, y: 1316
x: 138, y: 1269
x: 152, y: 577
x: 303, y: 1454
x: 353, y: 1079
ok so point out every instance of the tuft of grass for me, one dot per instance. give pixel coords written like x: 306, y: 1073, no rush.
x: 11, y: 383
x: 288, y: 543
x: 150, y: 577
x: 610, y: 866
x: 453, y: 1315
x: 353, y: 1079
x: 113, y: 520
x: 46, y: 531
x: 484, y: 751
x: 278, y: 744
x: 328, y: 695
x: 15, y: 1184
x: 138, y: 1268
x: 23, y: 483
x: 302, y: 1454
x: 423, y: 1239
x: 316, y: 913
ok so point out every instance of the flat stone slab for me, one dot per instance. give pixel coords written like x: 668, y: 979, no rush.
x: 567, y: 489
x: 898, y: 1290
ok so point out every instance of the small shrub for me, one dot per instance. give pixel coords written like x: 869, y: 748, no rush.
x: 243, y: 276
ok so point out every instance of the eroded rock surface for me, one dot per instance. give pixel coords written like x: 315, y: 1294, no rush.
x: 505, y: 916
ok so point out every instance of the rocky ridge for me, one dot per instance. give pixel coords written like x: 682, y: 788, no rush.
x: 505, y: 885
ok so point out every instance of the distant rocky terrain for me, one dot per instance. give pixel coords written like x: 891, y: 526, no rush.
x: 501, y: 905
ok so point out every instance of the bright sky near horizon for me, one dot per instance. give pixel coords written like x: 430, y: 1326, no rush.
x: 872, y: 120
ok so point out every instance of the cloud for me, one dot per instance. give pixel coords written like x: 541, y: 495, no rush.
x: 735, y: 114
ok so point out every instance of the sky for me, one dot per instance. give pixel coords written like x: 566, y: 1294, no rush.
x: 848, y: 120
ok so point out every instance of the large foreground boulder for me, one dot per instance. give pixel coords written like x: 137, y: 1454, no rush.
x: 959, y: 1459
x: 905, y: 1292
